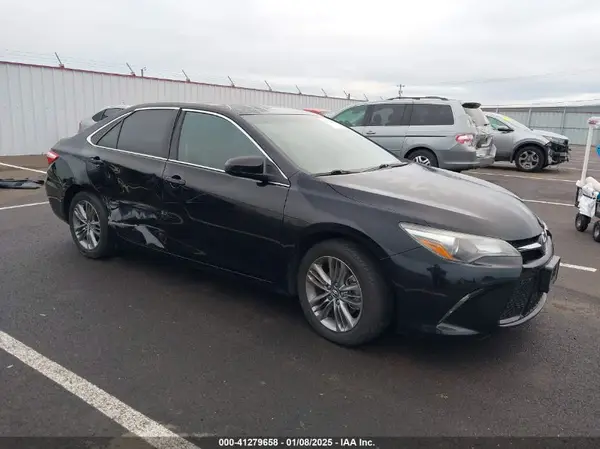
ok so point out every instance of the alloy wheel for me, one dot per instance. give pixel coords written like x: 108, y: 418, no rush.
x: 529, y: 159
x: 86, y: 225
x: 334, y: 294
x: 423, y: 160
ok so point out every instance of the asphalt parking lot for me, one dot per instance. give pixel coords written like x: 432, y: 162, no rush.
x: 145, y: 343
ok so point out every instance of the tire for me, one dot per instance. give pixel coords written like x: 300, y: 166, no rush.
x: 93, y: 207
x: 530, y: 159
x: 375, y: 313
x: 581, y: 222
x: 422, y: 155
x: 596, y: 231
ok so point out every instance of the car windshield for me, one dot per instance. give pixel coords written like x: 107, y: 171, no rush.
x: 320, y: 145
x: 514, y: 123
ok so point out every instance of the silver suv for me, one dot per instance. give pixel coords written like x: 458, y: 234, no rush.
x: 530, y: 149
x: 433, y: 131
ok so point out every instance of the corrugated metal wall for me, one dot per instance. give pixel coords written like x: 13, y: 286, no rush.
x: 570, y: 121
x: 40, y: 105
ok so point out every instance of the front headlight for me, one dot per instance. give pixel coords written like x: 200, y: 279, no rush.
x: 465, y: 248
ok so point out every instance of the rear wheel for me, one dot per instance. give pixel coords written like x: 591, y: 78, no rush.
x: 581, y: 222
x: 424, y: 157
x: 342, y: 293
x: 596, y: 231
x: 88, y: 221
x: 530, y: 159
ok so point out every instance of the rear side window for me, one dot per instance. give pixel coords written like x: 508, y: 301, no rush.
x: 109, y: 140
x: 386, y: 115
x: 147, y: 132
x: 210, y: 141
x: 431, y: 115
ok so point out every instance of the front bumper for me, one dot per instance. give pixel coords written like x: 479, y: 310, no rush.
x: 557, y: 154
x: 435, y: 296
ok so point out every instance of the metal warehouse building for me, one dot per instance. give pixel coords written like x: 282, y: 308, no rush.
x: 40, y: 105
x: 569, y: 120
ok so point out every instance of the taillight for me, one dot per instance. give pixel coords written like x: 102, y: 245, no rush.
x: 51, y: 156
x: 465, y: 138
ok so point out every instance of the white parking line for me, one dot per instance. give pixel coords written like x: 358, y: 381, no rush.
x: 18, y: 206
x: 22, y: 168
x: 135, y: 422
x: 572, y: 181
x: 548, y: 202
x: 577, y: 267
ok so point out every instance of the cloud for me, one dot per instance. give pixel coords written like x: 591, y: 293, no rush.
x: 491, y: 52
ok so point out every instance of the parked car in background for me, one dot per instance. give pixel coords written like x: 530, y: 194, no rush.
x: 433, y: 131
x: 324, y: 112
x: 108, y: 111
x: 530, y: 149
x: 305, y: 205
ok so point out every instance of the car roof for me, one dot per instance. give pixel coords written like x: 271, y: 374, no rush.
x: 239, y: 109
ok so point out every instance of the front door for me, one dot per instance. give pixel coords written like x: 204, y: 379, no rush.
x: 225, y: 221
x: 125, y: 164
x: 504, y: 140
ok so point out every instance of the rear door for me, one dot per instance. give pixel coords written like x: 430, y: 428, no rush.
x: 431, y: 125
x: 387, y: 125
x: 125, y: 163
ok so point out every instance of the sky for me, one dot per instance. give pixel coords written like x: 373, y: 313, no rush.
x: 494, y: 52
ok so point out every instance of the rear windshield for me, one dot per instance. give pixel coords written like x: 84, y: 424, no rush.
x: 476, y: 114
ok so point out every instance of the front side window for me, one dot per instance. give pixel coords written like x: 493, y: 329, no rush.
x: 495, y: 123
x: 147, y: 132
x: 387, y: 115
x: 210, y: 141
x: 431, y: 115
x: 353, y: 116
x: 316, y: 144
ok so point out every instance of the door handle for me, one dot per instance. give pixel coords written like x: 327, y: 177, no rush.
x: 96, y: 160
x: 370, y: 133
x: 176, y: 179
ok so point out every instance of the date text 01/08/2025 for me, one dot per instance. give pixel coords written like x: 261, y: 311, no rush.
x: 296, y: 442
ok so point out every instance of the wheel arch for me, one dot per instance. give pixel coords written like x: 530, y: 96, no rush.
x: 529, y: 143
x: 329, y: 231
x: 70, y: 193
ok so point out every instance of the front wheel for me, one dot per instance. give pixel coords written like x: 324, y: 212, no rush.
x: 530, y: 159
x: 342, y: 293
x: 88, y: 221
x: 581, y: 222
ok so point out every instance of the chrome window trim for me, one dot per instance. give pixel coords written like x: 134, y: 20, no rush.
x: 218, y: 170
x: 123, y: 117
x: 216, y: 114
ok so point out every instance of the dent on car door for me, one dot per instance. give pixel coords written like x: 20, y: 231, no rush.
x: 230, y: 222
x: 387, y: 125
x: 125, y: 164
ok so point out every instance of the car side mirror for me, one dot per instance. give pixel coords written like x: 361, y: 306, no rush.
x: 252, y: 167
x: 504, y: 129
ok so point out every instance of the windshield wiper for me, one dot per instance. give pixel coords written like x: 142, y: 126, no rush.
x: 383, y: 166
x: 336, y: 172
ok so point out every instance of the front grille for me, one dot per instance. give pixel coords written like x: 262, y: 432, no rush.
x: 531, y: 249
x: 524, y: 298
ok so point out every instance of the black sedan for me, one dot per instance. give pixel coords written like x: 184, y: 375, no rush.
x: 311, y: 208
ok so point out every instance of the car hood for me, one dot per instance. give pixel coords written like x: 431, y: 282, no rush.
x: 442, y: 199
x: 547, y: 134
